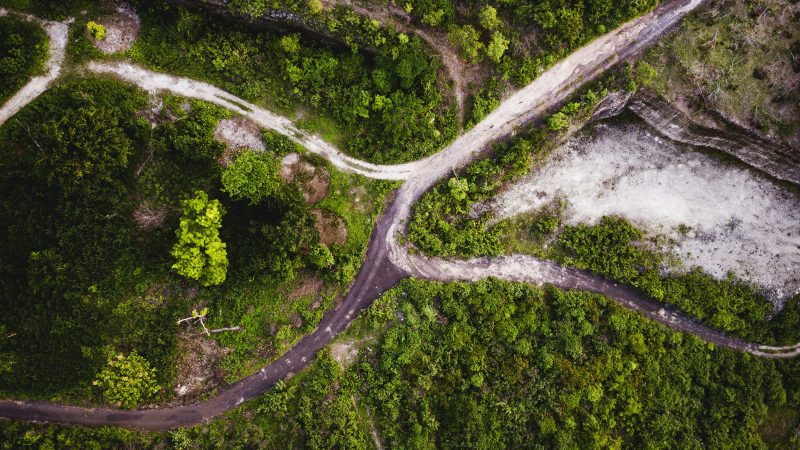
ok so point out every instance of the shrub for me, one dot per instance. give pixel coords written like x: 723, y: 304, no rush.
x: 127, y: 381
x: 199, y: 252
x: 96, y: 30
x: 252, y: 176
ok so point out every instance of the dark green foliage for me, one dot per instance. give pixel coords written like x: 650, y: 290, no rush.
x: 83, y: 273
x: 607, y: 248
x: 484, y: 101
x: 67, y: 234
x: 502, y: 365
x: 350, y: 87
x: 23, y: 49
x: 440, y: 224
x: 614, y: 249
x: 193, y: 135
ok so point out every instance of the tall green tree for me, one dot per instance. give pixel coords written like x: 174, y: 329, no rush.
x: 252, y: 176
x: 200, y: 253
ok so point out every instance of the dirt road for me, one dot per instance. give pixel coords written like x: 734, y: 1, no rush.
x: 57, y: 35
x: 387, y: 261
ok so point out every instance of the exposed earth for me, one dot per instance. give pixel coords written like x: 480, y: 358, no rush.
x: 122, y: 28
x: 388, y: 260
x: 720, y: 217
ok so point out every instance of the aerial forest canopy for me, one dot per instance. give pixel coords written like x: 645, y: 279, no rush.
x: 208, y: 230
x: 385, y: 104
x: 23, y: 47
x: 108, y: 221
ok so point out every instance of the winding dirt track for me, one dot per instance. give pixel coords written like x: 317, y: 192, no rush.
x: 387, y: 261
x: 57, y: 34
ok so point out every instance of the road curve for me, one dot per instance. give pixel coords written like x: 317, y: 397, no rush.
x: 387, y: 261
x: 57, y: 34
x: 160, y: 82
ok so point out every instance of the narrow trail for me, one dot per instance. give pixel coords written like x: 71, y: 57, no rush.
x: 159, y: 82
x: 388, y: 261
x: 57, y: 33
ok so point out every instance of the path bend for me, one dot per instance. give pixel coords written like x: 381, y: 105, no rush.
x: 57, y: 33
x: 387, y: 260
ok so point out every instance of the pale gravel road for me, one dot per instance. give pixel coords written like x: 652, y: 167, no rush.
x: 57, y: 34
x: 387, y: 261
x: 155, y: 82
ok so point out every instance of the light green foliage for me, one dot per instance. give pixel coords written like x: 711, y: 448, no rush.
x: 321, y: 256
x: 96, y: 30
x: 497, y: 47
x: 200, y: 253
x: 557, y: 121
x: 433, y: 18
x: 644, y: 73
x: 253, y: 176
x: 466, y: 40
x: 459, y: 187
x: 314, y: 6
x: 488, y: 17
x: 127, y: 381
x: 290, y: 43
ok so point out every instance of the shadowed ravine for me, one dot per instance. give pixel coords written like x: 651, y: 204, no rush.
x: 388, y: 261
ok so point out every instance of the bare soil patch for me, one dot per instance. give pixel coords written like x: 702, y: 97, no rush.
x: 344, y: 353
x: 196, y: 372
x: 331, y: 227
x: 358, y: 194
x: 313, y: 181
x: 122, y: 28
x: 308, y: 286
x: 239, y: 132
x: 718, y: 216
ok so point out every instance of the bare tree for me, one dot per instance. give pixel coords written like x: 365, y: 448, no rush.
x: 149, y: 216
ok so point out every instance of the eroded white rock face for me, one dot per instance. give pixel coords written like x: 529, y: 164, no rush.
x: 739, y: 221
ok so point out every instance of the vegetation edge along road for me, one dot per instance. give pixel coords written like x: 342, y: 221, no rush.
x: 388, y: 261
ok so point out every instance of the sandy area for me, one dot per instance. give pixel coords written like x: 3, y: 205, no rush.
x: 721, y: 217
x: 122, y: 28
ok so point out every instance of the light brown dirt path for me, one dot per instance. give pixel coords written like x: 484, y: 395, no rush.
x: 387, y: 261
x: 154, y: 82
x: 57, y: 34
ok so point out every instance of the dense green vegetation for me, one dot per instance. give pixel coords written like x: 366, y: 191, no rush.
x: 93, y: 198
x: 738, y: 58
x: 502, y: 365
x: 386, y: 104
x: 615, y: 249
x: 521, y: 38
x: 498, y: 365
x: 23, y: 49
x: 443, y: 224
